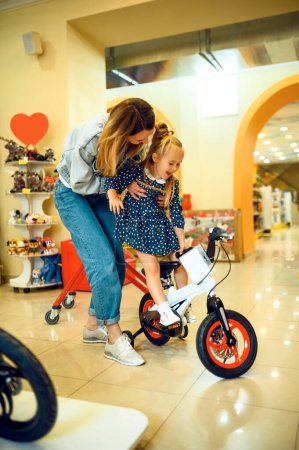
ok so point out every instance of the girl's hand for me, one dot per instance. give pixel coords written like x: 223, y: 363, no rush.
x: 181, y: 237
x: 136, y: 191
x: 115, y: 204
x: 183, y: 245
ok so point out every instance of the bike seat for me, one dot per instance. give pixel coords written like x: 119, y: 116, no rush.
x: 166, y: 267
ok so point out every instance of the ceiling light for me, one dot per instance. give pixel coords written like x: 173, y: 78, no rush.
x: 277, y: 154
x: 267, y: 142
x: 283, y: 128
x: 256, y: 153
x: 266, y: 161
x: 273, y: 149
x: 293, y: 144
x: 282, y: 158
x: 260, y: 135
x: 261, y: 157
x: 296, y: 150
x: 288, y: 136
x: 124, y: 76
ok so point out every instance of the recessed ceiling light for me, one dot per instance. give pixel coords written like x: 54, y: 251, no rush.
x: 261, y: 157
x: 266, y: 161
x: 283, y: 128
x: 288, y: 136
x: 260, y: 135
x: 256, y: 153
x: 296, y: 150
x: 282, y: 158
x: 273, y: 149
x: 277, y: 154
x: 267, y: 142
x: 293, y: 144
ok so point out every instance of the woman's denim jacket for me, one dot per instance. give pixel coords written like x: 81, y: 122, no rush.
x: 77, y: 167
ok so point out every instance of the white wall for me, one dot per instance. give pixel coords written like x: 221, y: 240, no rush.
x: 207, y: 171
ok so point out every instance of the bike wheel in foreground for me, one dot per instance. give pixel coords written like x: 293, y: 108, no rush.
x: 20, y: 368
x: 214, y: 352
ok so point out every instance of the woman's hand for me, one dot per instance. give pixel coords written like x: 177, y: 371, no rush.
x: 136, y: 191
x: 161, y: 201
x: 115, y: 204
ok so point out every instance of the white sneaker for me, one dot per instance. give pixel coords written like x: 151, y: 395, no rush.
x: 95, y: 336
x: 123, y: 352
x: 167, y: 316
x: 190, y: 316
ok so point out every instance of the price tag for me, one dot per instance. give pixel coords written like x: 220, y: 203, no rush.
x: 22, y: 162
x: 26, y: 190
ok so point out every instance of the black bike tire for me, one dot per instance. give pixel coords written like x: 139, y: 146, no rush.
x: 160, y: 340
x: 33, y: 371
x: 203, y: 354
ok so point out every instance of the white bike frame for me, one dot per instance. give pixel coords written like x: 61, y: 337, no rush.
x: 198, y: 267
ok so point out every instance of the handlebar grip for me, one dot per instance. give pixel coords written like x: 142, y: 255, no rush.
x: 178, y: 254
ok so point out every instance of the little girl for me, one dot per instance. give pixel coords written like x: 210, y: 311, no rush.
x: 150, y: 229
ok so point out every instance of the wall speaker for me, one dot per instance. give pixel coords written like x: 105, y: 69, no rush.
x: 32, y: 43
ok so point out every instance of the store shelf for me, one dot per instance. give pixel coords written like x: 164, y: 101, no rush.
x: 31, y: 204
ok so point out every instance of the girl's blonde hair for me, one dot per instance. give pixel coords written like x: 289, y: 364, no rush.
x: 127, y: 118
x: 162, y: 140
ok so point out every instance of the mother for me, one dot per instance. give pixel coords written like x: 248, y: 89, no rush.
x: 94, y: 150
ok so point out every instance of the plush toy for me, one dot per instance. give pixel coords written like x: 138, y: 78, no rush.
x: 49, y: 183
x: 15, y: 216
x: 33, y: 247
x: 19, y: 181
x: 49, y: 155
x: 49, y: 246
x: 12, y: 247
x: 22, y: 247
x: 51, y: 270
x: 36, y: 277
x: 34, y: 182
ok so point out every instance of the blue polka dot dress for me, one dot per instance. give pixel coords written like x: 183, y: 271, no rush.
x: 142, y: 224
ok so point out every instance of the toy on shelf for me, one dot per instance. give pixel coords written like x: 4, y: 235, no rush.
x: 31, y: 187
x: 34, y: 246
x: 34, y: 182
x: 17, y: 152
x: 49, y: 183
x: 12, y: 247
x: 19, y: 182
x: 15, y: 216
x: 36, y: 277
x: 51, y: 270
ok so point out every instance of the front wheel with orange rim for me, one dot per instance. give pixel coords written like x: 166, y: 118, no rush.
x: 153, y: 336
x: 214, y: 352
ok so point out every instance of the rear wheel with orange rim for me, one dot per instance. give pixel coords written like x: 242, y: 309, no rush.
x: 155, y: 337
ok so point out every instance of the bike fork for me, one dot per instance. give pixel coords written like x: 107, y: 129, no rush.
x: 215, y: 304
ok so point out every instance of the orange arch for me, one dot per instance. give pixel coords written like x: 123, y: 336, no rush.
x: 273, y: 99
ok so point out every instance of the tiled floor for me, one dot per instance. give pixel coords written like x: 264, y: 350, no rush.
x: 187, y: 407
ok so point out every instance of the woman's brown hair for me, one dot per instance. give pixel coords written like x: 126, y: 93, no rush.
x: 127, y: 118
x: 162, y: 139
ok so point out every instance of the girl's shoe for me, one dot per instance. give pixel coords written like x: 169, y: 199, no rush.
x: 95, y: 336
x: 167, y: 316
x: 190, y: 316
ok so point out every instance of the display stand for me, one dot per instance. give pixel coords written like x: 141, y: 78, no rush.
x: 31, y: 203
x: 199, y: 222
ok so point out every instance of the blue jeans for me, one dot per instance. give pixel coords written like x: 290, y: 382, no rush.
x: 91, y: 225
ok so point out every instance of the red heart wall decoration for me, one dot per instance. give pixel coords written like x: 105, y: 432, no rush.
x: 29, y: 129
